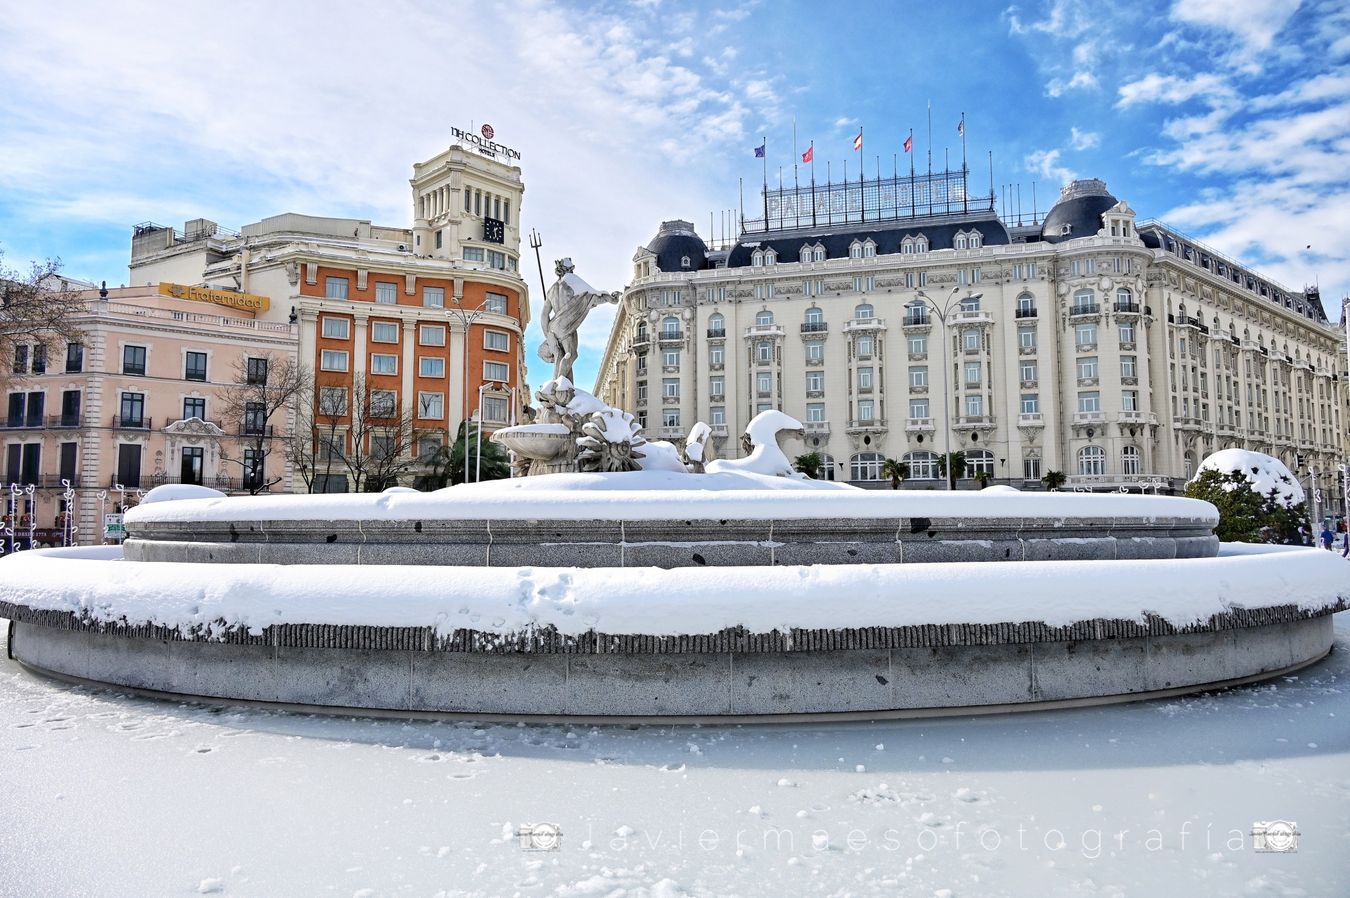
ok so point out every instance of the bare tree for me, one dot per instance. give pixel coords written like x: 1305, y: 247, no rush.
x: 264, y: 388
x: 302, y: 443
x: 38, y: 309
x: 364, y: 436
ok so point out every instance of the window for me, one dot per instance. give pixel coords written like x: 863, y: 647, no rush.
x: 815, y: 315
x: 763, y: 318
x: 333, y: 401
x: 21, y: 359
x: 496, y: 259
x: 670, y: 388
x: 1026, y: 372
x: 1031, y: 469
x: 332, y: 360
x: 970, y: 339
x: 431, y: 334
x: 922, y: 465
x: 74, y: 358
x: 815, y: 411
x: 717, y: 386
x: 383, y: 364
x: 867, y: 466
x: 670, y: 328
x: 384, y: 332
x: 815, y: 382
x: 974, y: 406
x: 428, y: 366
x: 1127, y: 331
x: 253, y: 469
x: 1091, y: 461
x: 133, y: 360
x: 433, y: 297
x: 70, y: 408
x: 1083, y: 301
x: 979, y: 461
x: 427, y: 447
x: 194, y: 407
x: 335, y: 288
x: 918, y: 344
x: 865, y: 380
x: 335, y: 328
x: 497, y: 341
x: 642, y: 392
x: 866, y: 410
x: 1026, y: 338
x: 671, y: 358
x: 717, y: 325
x: 194, y: 367
x: 918, y: 376
x: 970, y: 304
x: 129, y: 465
x: 764, y: 384
x: 473, y: 254
x: 918, y: 408
x: 815, y: 351
x: 1129, y: 460
x: 383, y: 403
x: 1031, y: 404
x: 494, y: 408
x: 25, y: 409
x: 1085, y: 335
x: 1129, y: 400
x: 764, y: 351
x: 133, y: 410
x: 973, y: 374
x: 717, y: 416
x: 496, y: 303
x: 255, y: 419
x: 1127, y: 366
x: 256, y: 372
x: 670, y: 417
x: 386, y: 294
x: 431, y: 405
x: 1026, y: 305
x: 1087, y: 367
x: 1089, y: 402
x: 863, y: 347
x: 440, y: 239
x: 497, y: 371
x: 863, y: 312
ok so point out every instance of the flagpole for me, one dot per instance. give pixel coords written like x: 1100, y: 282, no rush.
x: 764, y: 142
x: 910, y: 152
x: 796, y: 187
x: 741, y: 228
x: 930, y: 157
x: 829, y: 192
x: 965, y: 186
x: 947, y: 179
x: 845, y: 190
x: 991, y: 178
x: 862, y: 188
x: 813, y: 183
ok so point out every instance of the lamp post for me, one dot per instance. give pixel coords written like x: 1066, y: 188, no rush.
x: 943, y: 311
x: 466, y: 318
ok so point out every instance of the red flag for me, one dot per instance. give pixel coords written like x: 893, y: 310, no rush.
x: 857, y: 141
x: 809, y: 154
x: 909, y: 143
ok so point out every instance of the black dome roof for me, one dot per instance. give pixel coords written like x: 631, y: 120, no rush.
x: 675, y: 242
x: 1080, y: 208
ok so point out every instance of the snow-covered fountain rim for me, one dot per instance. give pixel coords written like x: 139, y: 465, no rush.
x: 658, y: 495
x: 96, y: 584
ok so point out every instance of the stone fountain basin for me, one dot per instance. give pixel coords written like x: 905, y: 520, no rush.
x: 538, y: 441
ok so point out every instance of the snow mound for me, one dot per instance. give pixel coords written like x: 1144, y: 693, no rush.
x: 1263, y: 472
x: 174, y: 491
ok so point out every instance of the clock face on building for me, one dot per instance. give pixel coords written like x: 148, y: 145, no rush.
x: 493, y: 230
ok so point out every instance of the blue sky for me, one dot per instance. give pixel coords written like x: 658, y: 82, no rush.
x: 1227, y: 119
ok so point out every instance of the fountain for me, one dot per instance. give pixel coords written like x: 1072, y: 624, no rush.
x: 626, y: 580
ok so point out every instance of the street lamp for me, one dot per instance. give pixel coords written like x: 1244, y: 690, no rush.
x: 943, y: 311
x: 466, y: 318
x: 478, y: 452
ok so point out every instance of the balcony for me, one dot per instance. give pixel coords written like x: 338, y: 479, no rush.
x: 974, y: 422
x: 670, y: 400
x: 866, y: 425
x: 641, y: 341
x: 1030, y: 419
x: 1185, y: 422
x: 719, y: 430
x: 1028, y: 384
x: 1084, y: 309
x: 64, y: 422
x: 815, y: 327
x: 864, y: 356
x: 669, y: 432
x: 919, y: 425
x: 765, y: 394
x: 975, y: 316
x: 1136, y: 417
x: 864, y: 324
x: 265, y: 430
x: 716, y: 366
x: 670, y: 336
x: 120, y: 422
x: 1127, y: 308
x: 717, y: 333
x: 817, y: 428
x: 22, y: 421
x: 1025, y: 313
x: 1083, y: 419
x: 916, y: 323
x: 1085, y: 347
x: 764, y: 330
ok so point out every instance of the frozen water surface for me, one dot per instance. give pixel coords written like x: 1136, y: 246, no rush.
x: 106, y: 794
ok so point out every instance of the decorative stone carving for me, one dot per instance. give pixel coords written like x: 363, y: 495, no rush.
x: 568, y: 302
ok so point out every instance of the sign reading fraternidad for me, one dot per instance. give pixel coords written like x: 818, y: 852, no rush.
x: 485, y: 143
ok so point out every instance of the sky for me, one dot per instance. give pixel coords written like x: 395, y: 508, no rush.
x: 1229, y: 120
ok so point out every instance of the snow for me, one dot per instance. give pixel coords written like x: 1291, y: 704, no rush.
x: 107, y: 794
x: 766, y: 457
x: 667, y: 495
x: 1263, y: 472
x: 94, y: 581
x: 172, y: 492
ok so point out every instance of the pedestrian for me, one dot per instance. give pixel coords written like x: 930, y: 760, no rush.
x: 1327, y: 537
x: 1345, y: 543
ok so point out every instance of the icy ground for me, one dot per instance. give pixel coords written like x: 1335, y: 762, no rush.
x: 104, y: 794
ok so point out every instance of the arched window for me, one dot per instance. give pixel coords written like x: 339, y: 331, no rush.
x: 1124, y: 299
x: 804, y: 255
x: 907, y: 246
x: 976, y: 239
x: 820, y: 253
x: 1025, y: 303
x: 764, y: 317
x: 916, y: 312
x: 959, y: 241
x: 642, y: 332
x: 717, y: 323
x: 864, y: 311
x: 922, y: 465
x: 815, y: 315
x: 1129, y: 460
x: 869, y: 248
x: 670, y: 328
x: 770, y: 256
x: 921, y: 244
x: 757, y: 258
x: 1083, y: 300
x: 855, y: 250
x: 1189, y: 465
x: 970, y: 304
x: 978, y: 460
x: 867, y: 466
x: 826, y: 469
x: 1091, y: 461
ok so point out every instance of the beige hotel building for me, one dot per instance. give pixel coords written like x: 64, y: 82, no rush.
x: 1115, y: 351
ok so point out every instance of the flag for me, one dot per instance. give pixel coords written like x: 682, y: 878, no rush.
x: 961, y: 128
x: 909, y: 143
x: 857, y: 141
x: 809, y: 154
x: 759, y: 150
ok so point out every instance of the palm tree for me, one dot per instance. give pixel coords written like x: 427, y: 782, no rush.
x: 1053, y: 480
x: 957, y: 466
x: 809, y: 464
x: 448, y: 464
x: 896, y: 471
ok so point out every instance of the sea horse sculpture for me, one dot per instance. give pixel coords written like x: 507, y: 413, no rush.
x: 761, y: 439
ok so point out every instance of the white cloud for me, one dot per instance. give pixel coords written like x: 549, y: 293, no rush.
x: 1084, y: 140
x: 1172, y: 89
x: 1254, y: 22
x: 845, y: 122
x: 1046, y: 164
x: 1082, y: 80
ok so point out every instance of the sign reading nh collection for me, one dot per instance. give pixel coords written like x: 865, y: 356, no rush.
x: 249, y: 302
x: 485, y: 144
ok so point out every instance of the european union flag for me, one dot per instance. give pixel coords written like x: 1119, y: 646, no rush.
x: 759, y: 150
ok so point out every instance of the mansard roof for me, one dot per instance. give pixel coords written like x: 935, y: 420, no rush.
x: 941, y: 234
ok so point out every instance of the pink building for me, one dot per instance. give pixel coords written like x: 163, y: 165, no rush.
x: 137, y: 404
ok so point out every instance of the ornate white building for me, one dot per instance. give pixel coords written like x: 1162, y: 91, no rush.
x: 1117, y: 352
